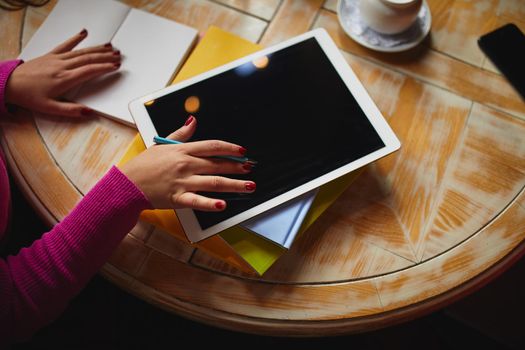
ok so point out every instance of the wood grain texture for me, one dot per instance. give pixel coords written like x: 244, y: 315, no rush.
x: 292, y: 18
x: 456, y: 266
x: 437, y: 118
x: 253, y: 298
x: 416, y: 231
x: 206, y: 261
x: 117, y: 276
x: 24, y: 145
x: 488, y: 173
x: 201, y: 14
x: 129, y: 255
x: 167, y: 244
x: 412, y: 177
x: 33, y: 19
x: 513, y: 10
x: 142, y: 231
x: 332, y: 252
x: 92, y: 144
x: 457, y: 27
x: 330, y: 5
x: 11, y: 24
x: 264, y: 9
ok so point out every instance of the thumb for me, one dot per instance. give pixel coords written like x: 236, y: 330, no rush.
x: 67, y: 109
x: 184, y: 133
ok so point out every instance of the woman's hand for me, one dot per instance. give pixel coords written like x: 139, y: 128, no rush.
x: 170, y: 175
x: 39, y: 83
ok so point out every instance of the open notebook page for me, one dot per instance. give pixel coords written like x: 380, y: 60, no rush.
x: 153, y: 49
x: 100, y: 17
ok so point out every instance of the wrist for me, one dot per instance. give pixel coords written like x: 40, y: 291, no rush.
x: 130, y: 175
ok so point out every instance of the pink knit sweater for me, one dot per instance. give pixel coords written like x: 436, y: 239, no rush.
x: 37, y: 284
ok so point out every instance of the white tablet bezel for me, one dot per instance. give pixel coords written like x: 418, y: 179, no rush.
x: 187, y: 217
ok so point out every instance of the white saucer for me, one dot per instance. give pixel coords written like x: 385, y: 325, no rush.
x: 357, y: 29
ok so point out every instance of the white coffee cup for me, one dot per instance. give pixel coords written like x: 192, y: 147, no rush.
x: 389, y: 16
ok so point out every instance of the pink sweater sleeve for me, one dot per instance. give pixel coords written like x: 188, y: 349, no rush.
x: 37, y: 284
x: 6, y: 68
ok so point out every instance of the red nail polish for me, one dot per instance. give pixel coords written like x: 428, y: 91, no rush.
x: 83, y: 32
x: 219, y: 205
x: 116, y: 53
x: 116, y: 65
x: 242, y: 150
x: 86, y: 111
x: 189, y: 120
x: 250, y: 186
x: 108, y: 45
x: 247, y: 166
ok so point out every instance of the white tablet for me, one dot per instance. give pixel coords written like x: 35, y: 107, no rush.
x: 297, y: 107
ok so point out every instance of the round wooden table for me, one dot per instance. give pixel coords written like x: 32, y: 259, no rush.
x: 416, y: 231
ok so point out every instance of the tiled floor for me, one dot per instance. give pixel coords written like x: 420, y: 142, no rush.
x: 105, y: 317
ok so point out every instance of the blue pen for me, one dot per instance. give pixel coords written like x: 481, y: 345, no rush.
x: 163, y: 141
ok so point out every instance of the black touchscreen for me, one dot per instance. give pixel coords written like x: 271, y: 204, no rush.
x: 290, y: 110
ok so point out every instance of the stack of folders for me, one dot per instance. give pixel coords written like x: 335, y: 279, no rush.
x: 254, y: 245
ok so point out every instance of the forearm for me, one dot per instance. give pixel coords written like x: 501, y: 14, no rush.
x: 44, y: 277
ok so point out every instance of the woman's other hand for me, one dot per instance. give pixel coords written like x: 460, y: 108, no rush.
x: 170, y: 175
x: 39, y: 84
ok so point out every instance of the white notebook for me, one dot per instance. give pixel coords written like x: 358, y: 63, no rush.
x: 153, y: 49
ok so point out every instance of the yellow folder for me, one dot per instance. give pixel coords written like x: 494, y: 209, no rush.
x: 238, y: 247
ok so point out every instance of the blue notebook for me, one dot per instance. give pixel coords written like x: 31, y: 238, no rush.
x: 281, y: 224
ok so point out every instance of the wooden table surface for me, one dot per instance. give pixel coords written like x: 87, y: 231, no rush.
x: 418, y: 230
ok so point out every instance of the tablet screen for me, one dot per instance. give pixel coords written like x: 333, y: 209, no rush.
x: 290, y: 110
